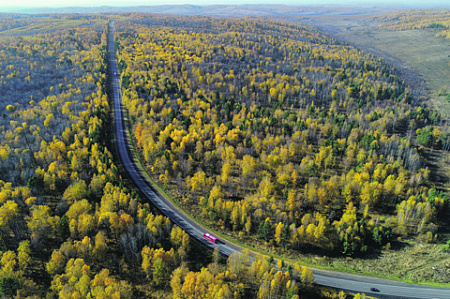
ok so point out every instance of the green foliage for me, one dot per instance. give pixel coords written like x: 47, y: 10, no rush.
x: 125, y: 81
x: 436, y: 25
x: 160, y: 273
x: 265, y: 230
x: 290, y: 293
x: 425, y: 137
x: 122, y: 65
x: 437, y: 198
x: 377, y: 236
x: 446, y: 247
x: 366, y: 141
x: 9, y: 286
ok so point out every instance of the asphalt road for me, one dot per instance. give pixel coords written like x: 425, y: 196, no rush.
x: 338, y: 280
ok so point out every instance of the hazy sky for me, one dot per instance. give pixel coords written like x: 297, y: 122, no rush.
x: 90, y: 3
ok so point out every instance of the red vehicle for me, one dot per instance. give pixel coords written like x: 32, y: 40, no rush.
x: 210, y: 237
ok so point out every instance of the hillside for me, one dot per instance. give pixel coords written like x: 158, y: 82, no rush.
x: 406, y: 39
x: 70, y: 224
x: 279, y: 134
x: 218, y: 10
x: 272, y: 132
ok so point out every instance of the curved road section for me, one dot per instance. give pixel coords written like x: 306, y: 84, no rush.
x: 375, y: 287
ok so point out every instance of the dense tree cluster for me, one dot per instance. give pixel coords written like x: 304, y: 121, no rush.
x: 43, y: 64
x: 242, y: 277
x: 70, y: 227
x: 65, y: 216
x: 272, y: 129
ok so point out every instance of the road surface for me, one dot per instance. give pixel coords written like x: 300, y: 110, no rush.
x: 338, y: 280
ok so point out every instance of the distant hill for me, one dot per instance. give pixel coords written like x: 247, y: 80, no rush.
x: 218, y: 10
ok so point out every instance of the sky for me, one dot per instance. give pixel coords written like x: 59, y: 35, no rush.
x: 92, y: 3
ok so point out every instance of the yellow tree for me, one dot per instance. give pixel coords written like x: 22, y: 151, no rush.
x: 177, y: 282
x: 247, y: 167
x: 41, y: 225
x: 23, y: 256
x: 57, y: 263
x: 279, y: 233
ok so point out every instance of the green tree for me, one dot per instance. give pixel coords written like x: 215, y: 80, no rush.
x: 265, y: 230
x: 160, y: 272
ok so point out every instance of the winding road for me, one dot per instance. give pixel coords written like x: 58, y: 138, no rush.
x: 349, y: 282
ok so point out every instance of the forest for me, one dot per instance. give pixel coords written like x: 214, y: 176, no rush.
x: 280, y: 135
x: 269, y: 131
x: 71, y: 225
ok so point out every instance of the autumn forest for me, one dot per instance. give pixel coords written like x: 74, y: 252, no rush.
x: 270, y: 132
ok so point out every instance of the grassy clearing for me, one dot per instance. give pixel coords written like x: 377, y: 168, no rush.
x: 417, y: 49
x: 413, y: 262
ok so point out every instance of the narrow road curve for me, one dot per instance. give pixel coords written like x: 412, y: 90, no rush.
x: 350, y: 282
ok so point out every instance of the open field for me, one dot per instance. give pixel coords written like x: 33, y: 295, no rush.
x: 416, y: 49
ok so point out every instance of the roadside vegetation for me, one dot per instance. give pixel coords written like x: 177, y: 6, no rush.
x: 410, y: 42
x: 271, y: 132
x: 70, y: 225
x: 280, y: 135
